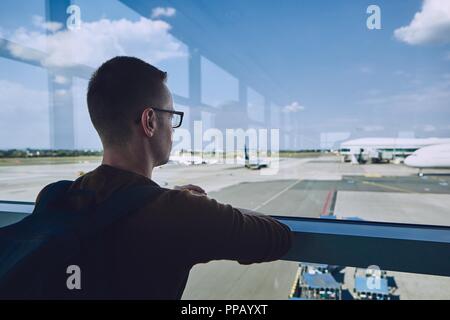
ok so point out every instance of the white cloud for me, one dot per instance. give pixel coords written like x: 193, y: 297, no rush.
x: 39, y: 22
x: 430, y: 25
x: 98, y: 41
x: 293, y: 107
x: 163, y: 12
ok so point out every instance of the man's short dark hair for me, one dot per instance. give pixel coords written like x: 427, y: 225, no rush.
x: 118, y: 92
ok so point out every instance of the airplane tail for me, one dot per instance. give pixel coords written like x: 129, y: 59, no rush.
x: 247, y: 158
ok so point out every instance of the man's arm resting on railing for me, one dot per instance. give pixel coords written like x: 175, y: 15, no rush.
x: 221, y: 232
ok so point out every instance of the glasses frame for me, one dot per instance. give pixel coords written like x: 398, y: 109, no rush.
x: 180, y: 113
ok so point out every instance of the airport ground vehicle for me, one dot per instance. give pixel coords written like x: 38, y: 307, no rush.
x: 371, y: 284
x: 326, y: 282
x: 315, y: 282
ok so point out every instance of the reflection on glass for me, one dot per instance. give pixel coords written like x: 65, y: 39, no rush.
x: 255, y: 106
x: 212, y: 94
x: 24, y: 111
x: 363, y: 118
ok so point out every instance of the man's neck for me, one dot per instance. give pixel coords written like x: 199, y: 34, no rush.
x: 133, y: 162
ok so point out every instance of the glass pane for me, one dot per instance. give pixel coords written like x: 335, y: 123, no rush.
x: 304, y: 109
x: 255, y: 106
x: 212, y: 94
x: 17, y: 28
x: 24, y: 121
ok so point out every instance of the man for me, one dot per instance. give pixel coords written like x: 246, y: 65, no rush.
x: 151, y: 252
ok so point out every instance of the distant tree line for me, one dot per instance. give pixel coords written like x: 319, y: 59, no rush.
x: 35, y: 153
x: 305, y: 151
x: 39, y: 153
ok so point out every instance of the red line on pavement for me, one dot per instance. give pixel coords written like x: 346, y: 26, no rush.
x: 326, y: 205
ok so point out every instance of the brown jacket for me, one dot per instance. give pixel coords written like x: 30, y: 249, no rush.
x: 152, y: 251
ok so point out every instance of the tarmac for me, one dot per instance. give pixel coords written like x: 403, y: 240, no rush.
x: 308, y: 187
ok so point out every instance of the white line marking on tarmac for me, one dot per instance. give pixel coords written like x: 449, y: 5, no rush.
x: 276, y: 195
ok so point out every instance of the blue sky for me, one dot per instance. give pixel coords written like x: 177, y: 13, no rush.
x: 336, y: 77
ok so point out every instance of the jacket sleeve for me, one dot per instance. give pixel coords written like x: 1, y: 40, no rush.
x: 215, y: 231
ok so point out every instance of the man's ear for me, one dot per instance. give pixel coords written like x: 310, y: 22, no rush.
x: 149, y: 122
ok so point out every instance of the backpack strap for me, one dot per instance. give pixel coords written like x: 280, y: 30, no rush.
x: 118, y: 205
x: 53, y: 191
x: 33, y: 248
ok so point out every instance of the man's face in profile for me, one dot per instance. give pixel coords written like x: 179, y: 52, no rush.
x: 165, y: 129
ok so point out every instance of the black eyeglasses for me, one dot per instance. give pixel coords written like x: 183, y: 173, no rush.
x: 176, y: 117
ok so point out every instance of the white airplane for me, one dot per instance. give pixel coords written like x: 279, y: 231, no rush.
x: 378, y: 149
x: 437, y: 156
x: 186, y: 160
x: 255, y: 164
x: 189, y: 160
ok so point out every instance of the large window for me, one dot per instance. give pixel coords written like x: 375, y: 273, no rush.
x: 213, y: 95
x: 305, y: 109
x: 24, y: 106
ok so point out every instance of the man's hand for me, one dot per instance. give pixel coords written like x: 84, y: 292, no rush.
x: 192, y: 188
